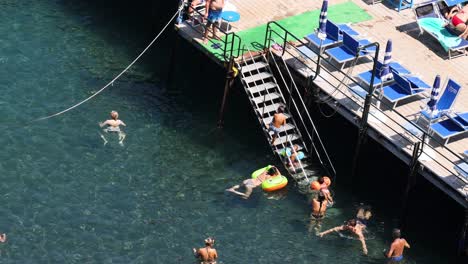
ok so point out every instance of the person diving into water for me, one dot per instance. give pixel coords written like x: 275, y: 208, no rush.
x: 113, y: 125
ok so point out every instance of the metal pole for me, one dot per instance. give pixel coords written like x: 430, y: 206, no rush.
x: 410, y: 182
x: 364, y: 125
x: 227, y: 86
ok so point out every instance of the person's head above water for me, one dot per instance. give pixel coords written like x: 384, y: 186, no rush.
x: 114, y: 115
x: 396, y: 233
x: 272, y: 171
x: 351, y: 222
x: 209, y: 241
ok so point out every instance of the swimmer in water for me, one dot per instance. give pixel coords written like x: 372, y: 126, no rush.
x: 207, y: 254
x: 395, y: 253
x: 3, y: 238
x: 352, y: 226
x: 363, y: 215
x: 250, y: 184
x: 113, y: 125
x: 319, y: 207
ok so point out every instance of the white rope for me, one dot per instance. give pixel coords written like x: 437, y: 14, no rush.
x: 118, y: 76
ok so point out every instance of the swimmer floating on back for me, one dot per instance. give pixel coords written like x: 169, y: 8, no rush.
x: 113, y: 125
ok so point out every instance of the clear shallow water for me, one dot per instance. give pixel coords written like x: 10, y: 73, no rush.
x: 66, y: 198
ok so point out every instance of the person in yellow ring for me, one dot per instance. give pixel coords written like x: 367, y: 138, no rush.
x: 250, y: 184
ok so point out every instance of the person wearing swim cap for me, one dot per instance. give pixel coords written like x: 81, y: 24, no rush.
x: 207, y: 254
x: 395, y: 253
x: 250, y: 184
x: 113, y: 125
x: 352, y: 226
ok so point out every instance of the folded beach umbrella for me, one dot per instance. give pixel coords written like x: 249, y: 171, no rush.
x: 323, y: 21
x: 385, y: 73
x: 431, y: 104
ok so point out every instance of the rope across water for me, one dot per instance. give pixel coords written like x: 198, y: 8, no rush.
x: 118, y: 76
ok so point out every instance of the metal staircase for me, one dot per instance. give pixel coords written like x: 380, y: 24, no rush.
x: 265, y: 97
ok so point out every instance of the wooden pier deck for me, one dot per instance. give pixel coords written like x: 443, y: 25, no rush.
x: 419, y: 53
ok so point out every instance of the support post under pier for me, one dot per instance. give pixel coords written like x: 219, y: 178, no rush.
x: 227, y: 86
x: 417, y: 151
x: 463, y: 240
x: 365, y: 113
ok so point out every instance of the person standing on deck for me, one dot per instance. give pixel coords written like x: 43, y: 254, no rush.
x: 213, y: 8
x: 395, y: 253
x: 207, y: 254
x: 279, y: 120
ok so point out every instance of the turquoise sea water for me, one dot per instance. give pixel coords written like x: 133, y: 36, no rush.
x: 67, y: 198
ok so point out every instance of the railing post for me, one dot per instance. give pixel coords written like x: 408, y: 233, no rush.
x: 181, y: 13
x: 363, y: 124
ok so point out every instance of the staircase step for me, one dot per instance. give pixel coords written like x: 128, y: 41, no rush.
x: 262, y: 87
x: 257, y: 77
x: 267, y: 120
x: 269, y: 108
x: 254, y: 66
x: 284, y: 128
x: 267, y: 97
x: 286, y: 139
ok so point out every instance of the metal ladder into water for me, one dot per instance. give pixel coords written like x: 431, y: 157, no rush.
x: 265, y: 97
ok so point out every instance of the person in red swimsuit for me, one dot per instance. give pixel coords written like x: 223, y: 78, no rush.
x: 459, y: 20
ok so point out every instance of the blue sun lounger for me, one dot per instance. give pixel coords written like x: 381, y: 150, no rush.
x: 348, y: 51
x: 400, y: 90
x: 396, y: 67
x: 445, y: 102
x: 334, y: 35
x: 448, y: 128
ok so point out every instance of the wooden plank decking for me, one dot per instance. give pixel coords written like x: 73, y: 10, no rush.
x: 419, y: 53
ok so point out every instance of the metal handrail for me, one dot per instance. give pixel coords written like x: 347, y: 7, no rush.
x: 264, y: 105
x: 336, y: 70
x: 310, y: 120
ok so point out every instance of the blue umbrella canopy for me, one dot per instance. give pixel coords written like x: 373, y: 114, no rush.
x: 434, y: 94
x: 385, y: 73
x: 322, y: 34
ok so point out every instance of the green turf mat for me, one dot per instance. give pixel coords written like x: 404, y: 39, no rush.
x: 299, y: 25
